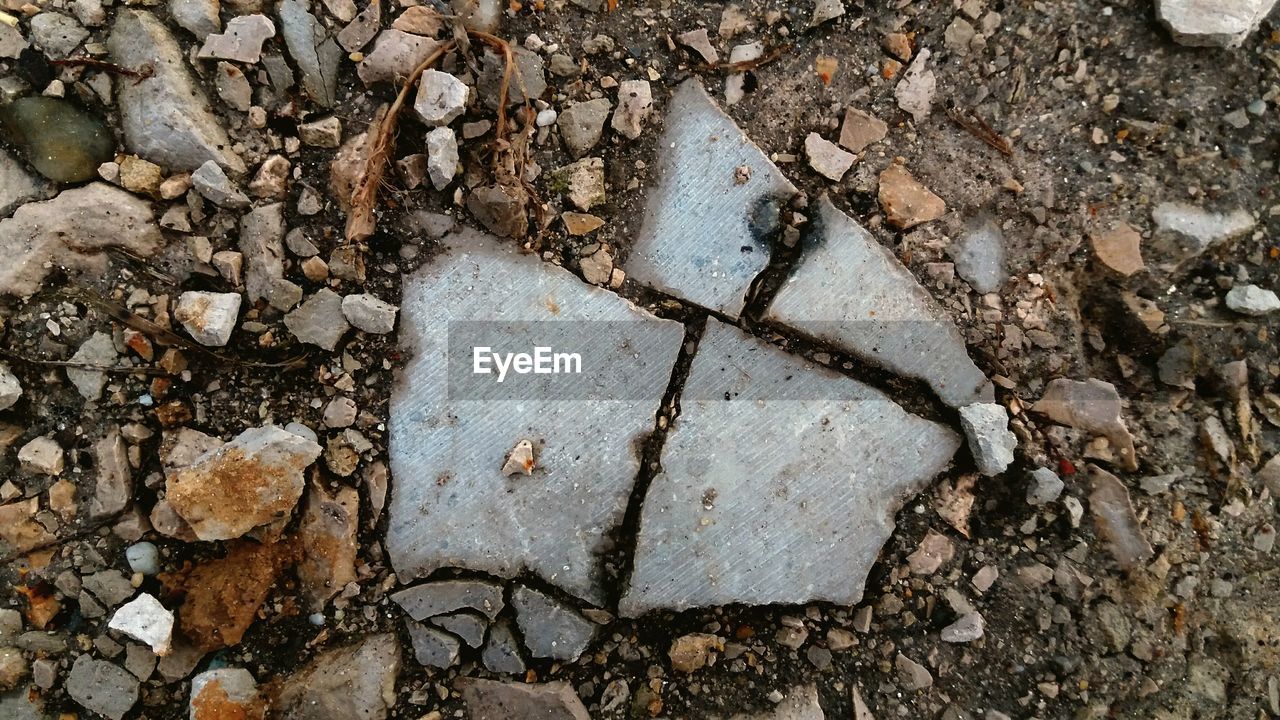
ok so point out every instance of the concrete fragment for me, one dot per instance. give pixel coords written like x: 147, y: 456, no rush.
x: 433, y: 647
x: 705, y: 235
x: 499, y: 209
x: 1185, y: 231
x: 1092, y: 406
x: 56, y: 34
x: 912, y: 675
x: 315, y: 53
x: 253, y: 480
x: 917, y: 87
x: 906, y: 202
x: 198, y: 17
x: 362, y: 28
x: 800, y: 703
x: 482, y: 15
x: 327, y: 536
x: 990, y: 441
x: 890, y: 319
x: 1222, y: 23
x: 966, y: 628
x: 20, y: 533
x: 113, y: 484
x: 326, y: 133
x: 748, y: 519
x: 367, y: 313
x: 528, y: 82
x: 442, y: 156
x: 101, y: 687
x: 583, y: 181
x: 582, y: 124
x: 468, y: 626
x: 226, y: 694
x: 242, y: 40
x: 1045, y: 487
x: 233, y: 87
x: 165, y: 116
x: 826, y: 158
x: 492, y: 700
x: 692, y: 652
x: 73, y: 231
x: 10, y: 387
x: 446, y: 596
x: 585, y: 450
x: 1115, y: 521
x: 146, y: 620
x: 502, y: 653
x: 860, y: 129
x: 42, y: 456
x: 934, y: 551
x: 356, y: 681
x: 441, y: 98
x: 261, y: 242
x: 394, y: 55
x: 97, y: 351
x: 319, y: 321
x: 1252, y: 300
x: 209, y: 317
x: 635, y: 102
x: 979, y: 256
x: 550, y: 628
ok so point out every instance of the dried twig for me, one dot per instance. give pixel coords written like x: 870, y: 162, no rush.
x: 138, y: 75
x: 747, y: 65
x: 981, y: 130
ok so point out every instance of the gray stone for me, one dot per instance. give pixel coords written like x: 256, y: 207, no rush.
x: 73, y: 231
x: 582, y: 124
x: 502, y: 653
x: 442, y: 156
x: 698, y: 41
x: 979, y: 256
x: 499, y: 210
x: 586, y: 451
x: 917, y: 87
x: 369, y: 314
x: 635, y: 102
x: 1184, y: 231
x: 1252, y: 300
x: 113, y: 484
x: 550, y: 628
x: 109, y: 586
x: 315, y: 53
x: 1045, y: 486
x: 242, y: 40
x: 97, y: 351
x: 705, y: 234
x: 262, y: 243
x: 11, y: 42
x: 734, y: 519
x: 468, y: 626
x: 1224, y: 23
x: 102, y: 687
x: 911, y: 674
x: 10, y: 388
x: 212, y: 183
x: 966, y: 628
x: 433, y: 647
x: 1115, y: 521
x: 198, y: 17
x: 17, y: 186
x: 492, y: 700
x: 143, y: 557
x: 394, y: 55
x: 990, y: 441
x: 165, y: 117
x: 209, y: 317
x: 319, y: 320
x: 56, y: 34
x: 447, y: 596
x: 441, y: 98
x: 885, y: 316
x: 353, y: 682
x: 362, y: 28
x: 233, y: 87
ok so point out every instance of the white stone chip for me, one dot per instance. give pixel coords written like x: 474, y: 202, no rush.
x: 441, y: 98
x: 1252, y: 300
x: 369, y: 313
x: 144, y: 619
x: 10, y: 387
x: 990, y: 441
x: 209, y: 317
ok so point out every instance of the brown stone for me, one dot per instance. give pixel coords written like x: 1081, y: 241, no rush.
x: 1120, y: 249
x: 19, y: 531
x: 328, y: 542
x: 693, y: 651
x: 223, y: 596
x: 580, y: 223
x: 860, y: 130
x: 907, y: 203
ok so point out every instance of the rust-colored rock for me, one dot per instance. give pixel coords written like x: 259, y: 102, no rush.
x: 907, y: 203
x: 223, y: 596
x: 328, y: 543
x: 19, y: 531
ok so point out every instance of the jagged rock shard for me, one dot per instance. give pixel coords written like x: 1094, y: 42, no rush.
x: 717, y: 198
x: 1115, y: 520
x: 1225, y: 23
x: 551, y: 629
x: 849, y: 291
x: 450, y: 438
x: 734, y: 518
x: 445, y: 596
x: 353, y: 682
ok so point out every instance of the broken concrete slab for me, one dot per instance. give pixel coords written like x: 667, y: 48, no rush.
x: 469, y: 514
x: 734, y: 519
x: 433, y: 647
x: 551, y: 629
x: 709, y: 217
x: 493, y: 700
x: 851, y: 292
x: 445, y: 596
x: 165, y: 116
x: 1221, y: 23
x: 502, y: 653
x: 101, y: 687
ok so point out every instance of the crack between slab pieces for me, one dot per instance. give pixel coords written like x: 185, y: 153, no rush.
x: 626, y: 535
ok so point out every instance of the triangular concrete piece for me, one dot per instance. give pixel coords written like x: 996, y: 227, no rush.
x: 451, y: 431
x: 779, y: 482
x: 851, y: 292
x: 715, y: 205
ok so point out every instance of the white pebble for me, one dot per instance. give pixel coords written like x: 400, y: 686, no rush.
x: 143, y: 557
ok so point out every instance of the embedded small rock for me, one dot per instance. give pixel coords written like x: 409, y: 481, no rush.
x: 241, y: 41
x: 441, y: 98
x: 990, y: 440
x: 102, y: 687
x: 319, y: 320
x: 1045, y: 486
x: 826, y: 158
x: 492, y: 700
x: 1252, y: 300
x: 10, y: 387
x: 581, y: 125
x: 367, y: 313
x: 635, y: 102
x: 146, y: 620
x: 860, y: 129
x: 209, y: 317
x: 442, y: 156
x: 550, y: 628
x: 226, y: 694
x: 906, y: 202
